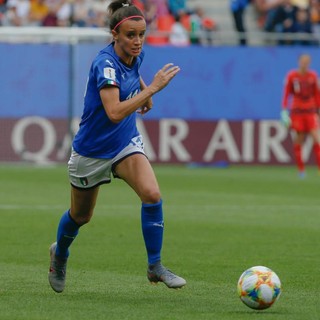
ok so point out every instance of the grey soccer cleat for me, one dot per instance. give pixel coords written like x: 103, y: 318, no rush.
x: 159, y: 273
x: 57, y: 271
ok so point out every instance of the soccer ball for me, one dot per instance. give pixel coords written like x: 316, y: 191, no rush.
x: 259, y: 287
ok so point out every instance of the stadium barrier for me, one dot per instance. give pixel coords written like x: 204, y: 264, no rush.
x: 223, y: 108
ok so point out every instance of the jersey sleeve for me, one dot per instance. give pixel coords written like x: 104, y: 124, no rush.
x: 317, y: 89
x: 318, y: 93
x: 105, y: 72
x: 287, y: 90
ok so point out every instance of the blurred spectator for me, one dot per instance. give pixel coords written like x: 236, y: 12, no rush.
x: 98, y: 13
x: 201, y: 27
x: 80, y: 13
x: 139, y: 4
x: 282, y: 19
x: 179, y: 36
x: 315, y: 11
x: 3, y: 8
x: 237, y: 8
x: 150, y: 14
x: 162, y: 7
x: 289, y: 18
x: 178, y: 7
x: 17, y: 13
x: 160, y: 36
x: 38, y: 12
x: 64, y: 13
x: 302, y: 4
x: 183, y: 25
x: 302, y: 24
x: 266, y: 10
x: 59, y: 13
x: 50, y: 20
x: 315, y: 17
x: 152, y: 9
x: 10, y: 17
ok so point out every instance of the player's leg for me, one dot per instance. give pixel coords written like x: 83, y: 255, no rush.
x: 82, y: 206
x: 313, y: 126
x: 297, y: 148
x: 138, y: 173
x: 297, y: 125
x: 85, y: 176
x: 83, y: 202
x: 316, y: 146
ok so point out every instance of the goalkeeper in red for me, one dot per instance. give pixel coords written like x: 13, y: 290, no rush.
x: 300, y: 108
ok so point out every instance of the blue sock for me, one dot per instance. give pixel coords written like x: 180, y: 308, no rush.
x: 67, y: 231
x: 152, y: 229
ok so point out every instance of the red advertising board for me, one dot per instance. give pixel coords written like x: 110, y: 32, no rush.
x: 41, y: 140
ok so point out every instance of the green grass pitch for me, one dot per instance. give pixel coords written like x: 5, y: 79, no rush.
x: 218, y: 222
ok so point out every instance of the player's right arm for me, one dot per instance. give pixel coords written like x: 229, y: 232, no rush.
x: 287, y: 91
x: 117, y: 110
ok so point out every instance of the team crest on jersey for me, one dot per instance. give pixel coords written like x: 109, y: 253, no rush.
x: 109, y: 73
x: 84, y: 181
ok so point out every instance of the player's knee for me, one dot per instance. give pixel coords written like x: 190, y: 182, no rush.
x: 82, y: 219
x: 151, y: 196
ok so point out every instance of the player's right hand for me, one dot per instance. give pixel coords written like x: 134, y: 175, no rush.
x: 285, y: 118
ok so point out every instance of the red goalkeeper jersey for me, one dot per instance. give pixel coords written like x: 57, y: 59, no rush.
x: 304, y: 91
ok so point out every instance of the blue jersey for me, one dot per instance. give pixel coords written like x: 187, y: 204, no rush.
x: 236, y: 5
x: 98, y: 137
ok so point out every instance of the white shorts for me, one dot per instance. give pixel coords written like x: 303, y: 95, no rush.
x: 86, y: 173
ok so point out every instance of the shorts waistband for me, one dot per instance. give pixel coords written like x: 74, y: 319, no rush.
x: 303, y: 111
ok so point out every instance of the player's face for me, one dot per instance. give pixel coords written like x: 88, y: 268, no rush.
x: 304, y: 63
x: 129, y: 39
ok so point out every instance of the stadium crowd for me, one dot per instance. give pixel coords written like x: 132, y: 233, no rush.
x: 53, y: 13
x: 169, y: 21
x: 280, y: 17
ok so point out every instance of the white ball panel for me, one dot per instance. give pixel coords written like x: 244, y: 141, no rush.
x: 266, y: 293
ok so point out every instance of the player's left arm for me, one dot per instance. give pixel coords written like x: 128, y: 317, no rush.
x: 148, y: 105
x: 317, y: 89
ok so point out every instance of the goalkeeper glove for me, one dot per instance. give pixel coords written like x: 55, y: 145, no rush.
x: 285, y: 118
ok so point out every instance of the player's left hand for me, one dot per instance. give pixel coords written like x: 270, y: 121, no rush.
x: 146, y: 108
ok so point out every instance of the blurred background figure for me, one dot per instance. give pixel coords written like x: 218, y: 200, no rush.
x: 266, y: 10
x: 179, y: 35
x: 302, y: 24
x: 201, y: 27
x: 3, y: 6
x: 237, y: 8
x: 17, y: 13
x: 178, y: 7
x: 39, y: 10
x: 315, y: 17
x: 303, y: 4
x: 64, y: 13
x: 283, y: 20
x: 80, y: 13
x: 151, y: 14
x: 301, y: 98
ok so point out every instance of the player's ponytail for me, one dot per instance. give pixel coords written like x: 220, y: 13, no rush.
x: 119, y: 10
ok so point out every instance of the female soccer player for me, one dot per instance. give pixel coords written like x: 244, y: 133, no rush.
x: 302, y: 85
x: 108, y: 143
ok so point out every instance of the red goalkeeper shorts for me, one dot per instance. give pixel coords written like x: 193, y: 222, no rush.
x: 304, y: 122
